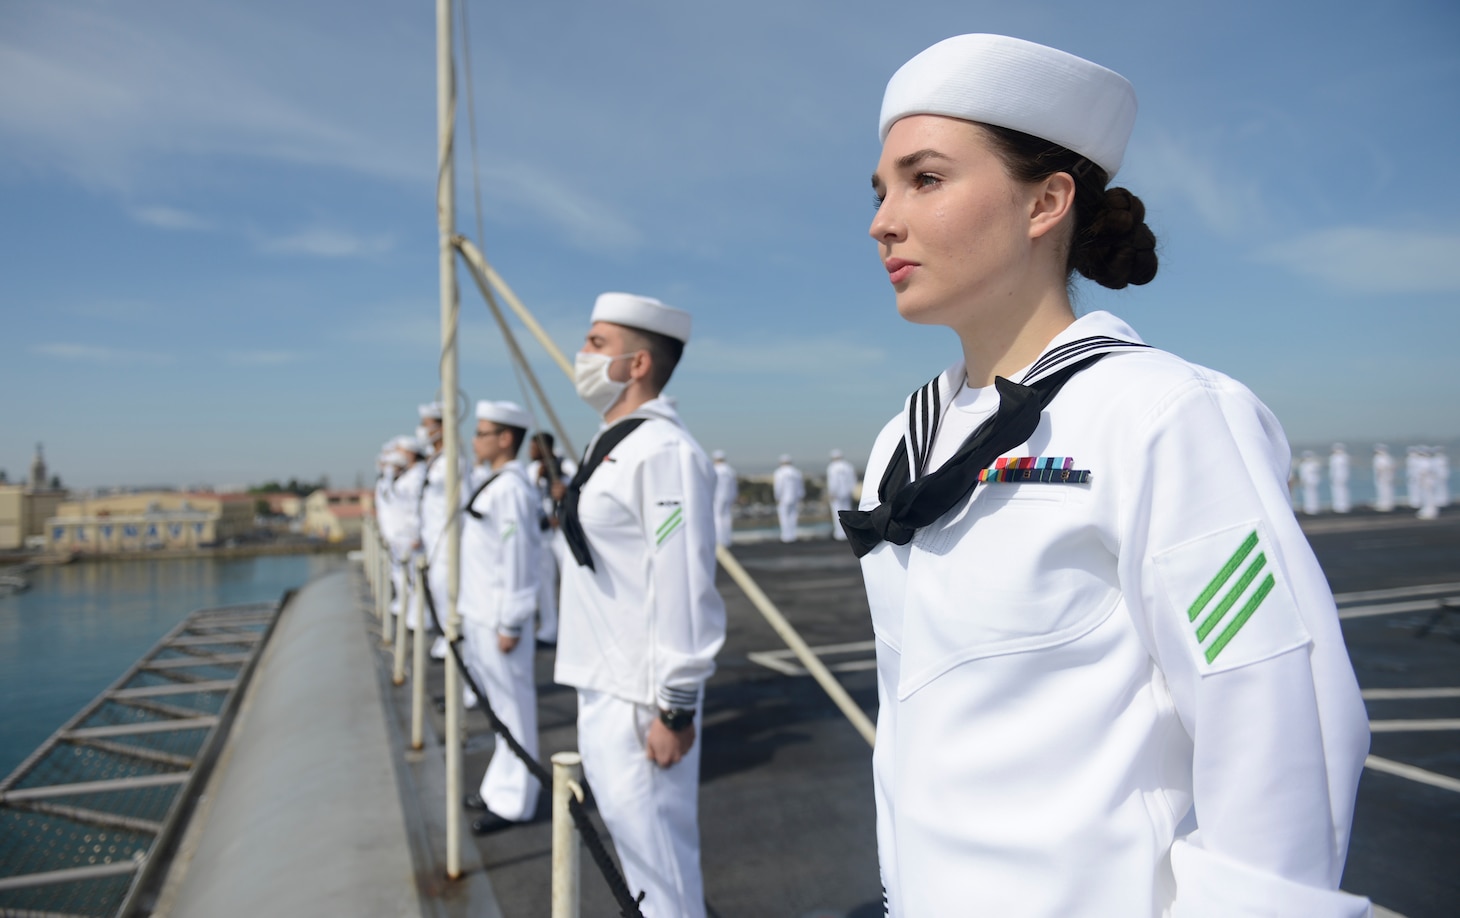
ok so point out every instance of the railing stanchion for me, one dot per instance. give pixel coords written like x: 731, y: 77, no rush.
x: 567, y: 782
x: 418, y: 654
x: 398, y: 677
x: 382, y: 598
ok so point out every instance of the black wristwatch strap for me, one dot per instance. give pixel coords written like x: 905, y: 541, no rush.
x: 676, y: 719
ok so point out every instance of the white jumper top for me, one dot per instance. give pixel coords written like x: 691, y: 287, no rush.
x: 788, y: 484
x: 403, y: 518
x: 433, y: 509
x: 727, y: 486
x: 646, y: 623
x: 499, y: 551
x: 1123, y: 697
x: 841, y: 479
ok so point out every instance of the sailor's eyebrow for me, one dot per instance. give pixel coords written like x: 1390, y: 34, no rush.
x: 910, y: 160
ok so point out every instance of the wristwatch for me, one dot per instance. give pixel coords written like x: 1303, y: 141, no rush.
x: 676, y: 719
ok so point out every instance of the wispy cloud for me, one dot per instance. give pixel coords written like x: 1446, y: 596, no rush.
x: 1172, y: 172
x: 1361, y: 259
x: 325, y: 243
x: 587, y: 221
x: 170, y: 218
x: 102, y: 94
x: 262, y: 358
x: 97, y: 354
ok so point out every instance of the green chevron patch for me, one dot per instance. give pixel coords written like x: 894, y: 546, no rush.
x: 669, y: 526
x: 1235, y: 604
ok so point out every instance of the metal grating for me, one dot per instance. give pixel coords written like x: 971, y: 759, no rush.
x: 83, y: 819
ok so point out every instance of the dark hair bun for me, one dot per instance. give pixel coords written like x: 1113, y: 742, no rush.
x: 1117, y: 249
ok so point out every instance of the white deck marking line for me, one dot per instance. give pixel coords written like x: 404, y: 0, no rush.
x: 1401, y: 770
x: 1414, y: 726
x: 1395, y: 694
x: 1382, y: 912
x: 783, y: 661
x: 1397, y: 592
x: 770, y: 660
x: 1391, y: 608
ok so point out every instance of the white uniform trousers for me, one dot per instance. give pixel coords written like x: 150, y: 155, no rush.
x: 838, y: 504
x: 1384, y: 494
x: 508, y: 788
x: 1310, y: 499
x: 436, y: 581
x: 400, y: 582
x: 547, y: 584
x: 724, y: 524
x: 651, y: 812
x: 788, y: 514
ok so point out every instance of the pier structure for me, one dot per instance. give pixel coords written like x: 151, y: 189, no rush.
x: 87, y: 820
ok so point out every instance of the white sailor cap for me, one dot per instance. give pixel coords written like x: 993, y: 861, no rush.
x: 508, y: 414
x: 395, y: 460
x: 1012, y: 83
x: 718, y: 454
x: 431, y: 411
x: 642, y: 312
x: 414, y: 445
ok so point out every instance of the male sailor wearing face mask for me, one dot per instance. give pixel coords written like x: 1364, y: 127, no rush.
x: 639, y: 619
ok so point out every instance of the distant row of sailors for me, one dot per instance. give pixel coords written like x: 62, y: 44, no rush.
x: 1426, y: 480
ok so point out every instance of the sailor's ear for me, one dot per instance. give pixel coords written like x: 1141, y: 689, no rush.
x: 641, y: 365
x: 1050, y: 200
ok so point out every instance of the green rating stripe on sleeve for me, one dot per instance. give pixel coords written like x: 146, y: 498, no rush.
x: 667, y: 527
x: 1223, y: 575
x: 1241, y: 619
x: 1232, y: 596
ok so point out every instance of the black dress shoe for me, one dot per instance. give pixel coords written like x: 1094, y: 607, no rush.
x: 474, y: 802
x: 488, y: 823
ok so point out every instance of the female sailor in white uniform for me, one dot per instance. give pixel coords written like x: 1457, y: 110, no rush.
x: 1111, y: 677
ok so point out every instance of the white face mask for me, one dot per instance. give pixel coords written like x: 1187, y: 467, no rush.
x: 590, y: 378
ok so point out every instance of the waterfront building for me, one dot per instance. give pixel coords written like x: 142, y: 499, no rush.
x: 24, y: 508
x: 337, y: 515
x: 148, y: 520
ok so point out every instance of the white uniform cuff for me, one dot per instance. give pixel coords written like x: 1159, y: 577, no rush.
x: 517, y: 608
x: 1210, y: 885
x: 681, y: 698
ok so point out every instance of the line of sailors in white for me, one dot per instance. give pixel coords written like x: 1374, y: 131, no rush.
x: 1426, y: 479
x: 789, y: 489
x: 511, y: 550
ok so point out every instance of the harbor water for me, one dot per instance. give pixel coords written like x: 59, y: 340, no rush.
x: 80, y: 626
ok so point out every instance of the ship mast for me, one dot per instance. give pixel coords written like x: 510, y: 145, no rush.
x: 450, y: 423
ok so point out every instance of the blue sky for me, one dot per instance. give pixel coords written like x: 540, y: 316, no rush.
x: 218, y: 241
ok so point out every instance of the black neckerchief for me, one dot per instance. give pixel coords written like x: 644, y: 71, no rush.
x: 472, y: 511
x: 906, y: 505
x: 568, y: 507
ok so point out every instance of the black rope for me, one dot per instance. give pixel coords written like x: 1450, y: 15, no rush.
x: 628, y: 904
